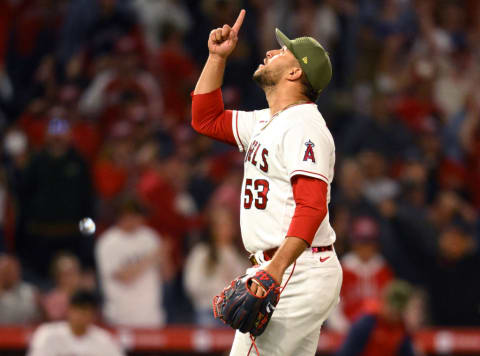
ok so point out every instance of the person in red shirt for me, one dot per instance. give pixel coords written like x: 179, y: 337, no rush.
x: 365, y: 274
x: 177, y: 72
x: 382, y: 333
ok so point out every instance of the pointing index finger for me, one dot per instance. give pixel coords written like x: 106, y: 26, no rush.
x: 238, y: 23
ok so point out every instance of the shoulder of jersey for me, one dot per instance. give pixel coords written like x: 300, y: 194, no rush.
x: 304, y: 118
x: 310, y: 117
x: 304, y: 113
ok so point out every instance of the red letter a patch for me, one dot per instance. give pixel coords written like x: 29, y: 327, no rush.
x: 309, y: 151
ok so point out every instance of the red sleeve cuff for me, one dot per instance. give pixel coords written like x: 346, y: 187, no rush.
x: 310, y: 196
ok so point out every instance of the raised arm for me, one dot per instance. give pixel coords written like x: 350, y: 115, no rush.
x: 221, y: 43
x: 209, y: 117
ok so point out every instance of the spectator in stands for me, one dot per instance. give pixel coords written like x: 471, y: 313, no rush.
x: 378, y: 185
x: 33, y: 26
x: 382, y: 132
x: 165, y: 179
x: 404, y: 217
x: 34, y: 122
x: 94, y: 25
x: 67, y: 275
x: 112, y: 89
x: 457, y: 260
x: 114, y: 162
x: 383, y: 333
x: 57, y: 193
x: 452, y: 261
x: 5, y: 11
x: 416, y: 314
x: 469, y: 137
x: 15, y: 144
x: 18, y: 299
x: 156, y: 14
x: 349, y: 200
x: 311, y: 18
x: 132, y: 260
x: 77, y: 335
x: 212, y: 265
x: 176, y: 71
x: 413, y: 199
x: 351, y: 192
x: 226, y: 193
x: 365, y: 274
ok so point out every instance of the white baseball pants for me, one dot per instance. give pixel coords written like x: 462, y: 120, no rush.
x: 306, y: 302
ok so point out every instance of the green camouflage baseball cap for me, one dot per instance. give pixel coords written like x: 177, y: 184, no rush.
x: 312, y: 57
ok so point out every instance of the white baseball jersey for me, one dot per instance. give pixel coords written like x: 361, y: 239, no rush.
x: 295, y: 141
x: 57, y: 339
x: 136, y: 304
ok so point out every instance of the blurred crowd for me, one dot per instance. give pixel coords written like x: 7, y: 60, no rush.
x: 95, y: 122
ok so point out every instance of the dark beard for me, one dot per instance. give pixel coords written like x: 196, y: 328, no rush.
x: 264, y: 79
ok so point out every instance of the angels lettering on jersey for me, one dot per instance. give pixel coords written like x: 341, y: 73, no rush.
x: 256, y: 191
x: 260, y: 161
x: 254, y: 148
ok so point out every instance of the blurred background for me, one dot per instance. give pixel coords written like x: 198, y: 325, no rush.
x: 95, y: 123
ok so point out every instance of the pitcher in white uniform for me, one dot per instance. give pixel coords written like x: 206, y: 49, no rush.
x: 289, y: 166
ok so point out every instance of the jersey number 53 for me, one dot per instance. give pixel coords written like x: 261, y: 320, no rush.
x: 256, y: 193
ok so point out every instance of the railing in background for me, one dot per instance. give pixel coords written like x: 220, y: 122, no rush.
x: 190, y: 339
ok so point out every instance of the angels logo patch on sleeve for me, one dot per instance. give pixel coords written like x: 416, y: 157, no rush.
x: 309, y: 155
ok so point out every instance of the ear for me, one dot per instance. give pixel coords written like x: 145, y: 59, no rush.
x: 294, y: 73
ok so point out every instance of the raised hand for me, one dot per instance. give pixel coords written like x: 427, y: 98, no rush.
x: 222, y: 40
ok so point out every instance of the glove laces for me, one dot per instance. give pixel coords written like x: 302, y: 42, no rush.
x: 253, y: 344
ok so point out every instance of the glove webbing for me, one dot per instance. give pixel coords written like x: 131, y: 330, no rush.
x: 281, y: 290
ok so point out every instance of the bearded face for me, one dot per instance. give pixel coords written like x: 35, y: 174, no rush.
x: 266, y: 77
x: 269, y: 73
x: 275, y: 66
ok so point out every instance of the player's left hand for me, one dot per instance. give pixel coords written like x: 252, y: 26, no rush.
x: 257, y: 289
x: 238, y: 307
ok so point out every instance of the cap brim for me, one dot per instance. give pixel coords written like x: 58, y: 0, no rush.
x: 282, y: 39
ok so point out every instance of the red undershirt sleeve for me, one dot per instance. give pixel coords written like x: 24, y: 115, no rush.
x: 209, y: 117
x: 310, y: 196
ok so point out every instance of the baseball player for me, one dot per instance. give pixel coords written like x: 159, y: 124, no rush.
x: 289, y: 161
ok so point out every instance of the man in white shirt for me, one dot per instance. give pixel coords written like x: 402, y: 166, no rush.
x: 76, y: 336
x: 18, y: 299
x: 128, y: 256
